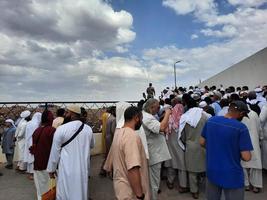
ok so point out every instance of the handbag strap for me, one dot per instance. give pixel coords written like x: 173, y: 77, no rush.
x: 74, y: 135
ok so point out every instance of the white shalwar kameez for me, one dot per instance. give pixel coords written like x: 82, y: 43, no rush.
x: 73, y: 161
x: 254, y: 165
x: 30, y: 128
x: 20, y: 136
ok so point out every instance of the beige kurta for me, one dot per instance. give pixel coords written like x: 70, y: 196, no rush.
x: 127, y: 152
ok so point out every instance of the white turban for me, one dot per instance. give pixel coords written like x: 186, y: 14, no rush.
x: 25, y: 114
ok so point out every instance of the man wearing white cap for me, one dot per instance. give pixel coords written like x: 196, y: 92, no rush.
x: 8, y: 144
x: 71, y: 153
x: 20, y: 137
x: 260, y: 98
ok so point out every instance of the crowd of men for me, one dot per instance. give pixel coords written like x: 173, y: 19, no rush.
x: 206, y: 134
x: 51, y: 148
x: 212, y: 135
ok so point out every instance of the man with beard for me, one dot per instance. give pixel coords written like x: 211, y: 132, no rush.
x: 227, y: 142
x: 71, y: 154
x: 127, y: 158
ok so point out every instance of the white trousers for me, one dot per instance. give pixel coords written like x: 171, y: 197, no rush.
x: 41, y: 181
x: 30, y: 168
x: 253, y: 177
x: 22, y: 165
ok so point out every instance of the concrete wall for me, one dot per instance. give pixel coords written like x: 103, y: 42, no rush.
x: 251, y: 72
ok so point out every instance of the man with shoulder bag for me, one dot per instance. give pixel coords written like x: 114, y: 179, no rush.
x: 71, y: 153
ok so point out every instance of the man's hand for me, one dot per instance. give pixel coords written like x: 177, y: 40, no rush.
x: 52, y: 174
x: 165, y: 122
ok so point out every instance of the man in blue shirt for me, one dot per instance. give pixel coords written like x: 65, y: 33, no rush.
x: 227, y: 141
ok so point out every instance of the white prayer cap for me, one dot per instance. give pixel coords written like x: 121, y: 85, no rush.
x: 202, y: 104
x: 210, y: 93
x: 25, y: 114
x: 202, y: 90
x: 74, y: 108
x: 258, y: 90
x: 218, y: 94
x: 120, y: 109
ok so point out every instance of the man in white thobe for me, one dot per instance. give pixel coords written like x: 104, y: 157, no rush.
x: 20, y: 137
x: 254, y: 166
x: 263, y: 119
x: 73, y: 160
x: 30, y: 128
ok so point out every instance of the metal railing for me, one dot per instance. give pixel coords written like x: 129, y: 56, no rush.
x: 94, y: 110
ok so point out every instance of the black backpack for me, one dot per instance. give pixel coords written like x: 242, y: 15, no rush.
x: 255, y: 107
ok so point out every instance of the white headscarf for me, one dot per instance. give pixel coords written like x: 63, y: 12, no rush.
x: 11, y: 122
x: 120, y: 109
x: 33, y: 124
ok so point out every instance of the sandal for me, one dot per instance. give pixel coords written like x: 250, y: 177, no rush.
x: 183, y: 190
x: 169, y: 185
x: 256, y: 190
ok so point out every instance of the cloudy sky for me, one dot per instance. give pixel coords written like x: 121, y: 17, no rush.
x: 110, y: 50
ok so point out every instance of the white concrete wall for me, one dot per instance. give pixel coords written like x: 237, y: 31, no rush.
x: 251, y: 72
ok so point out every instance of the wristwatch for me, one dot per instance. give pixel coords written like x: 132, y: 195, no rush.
x: 141, y: 197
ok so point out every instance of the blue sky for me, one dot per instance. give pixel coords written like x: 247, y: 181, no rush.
x: 156, y: 25
x: 112, y: 49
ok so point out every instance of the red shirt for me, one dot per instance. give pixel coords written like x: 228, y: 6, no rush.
x: 42, y: 138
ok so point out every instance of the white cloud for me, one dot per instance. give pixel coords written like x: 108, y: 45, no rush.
x: 194, y: 36
x: 245, y: 19
x: 247, y: 3
x: 182, y: 7
x: 227, y: 31
x: 56, y: 50
x: 93, y: 22
x: 203, y: 62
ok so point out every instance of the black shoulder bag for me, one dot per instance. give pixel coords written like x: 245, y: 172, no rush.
x: 74, y: 136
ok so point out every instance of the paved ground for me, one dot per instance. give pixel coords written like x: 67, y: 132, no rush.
x: 14, y: 186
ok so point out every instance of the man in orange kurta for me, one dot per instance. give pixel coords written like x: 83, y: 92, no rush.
x: 128, y: 160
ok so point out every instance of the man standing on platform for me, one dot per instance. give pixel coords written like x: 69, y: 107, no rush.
x: 150, y: 91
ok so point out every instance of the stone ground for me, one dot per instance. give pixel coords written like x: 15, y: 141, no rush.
x: 14, y: 186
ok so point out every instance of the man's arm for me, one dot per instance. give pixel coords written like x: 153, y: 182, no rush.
x: 165, y: 122
x: 135, y: 181
x: 246, y: 156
